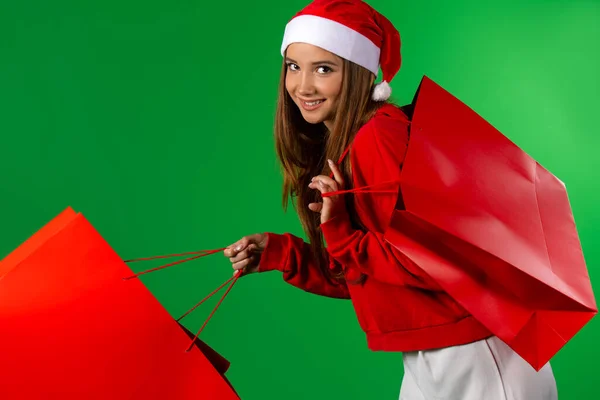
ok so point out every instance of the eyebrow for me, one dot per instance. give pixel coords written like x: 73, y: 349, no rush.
x: 314, y: 63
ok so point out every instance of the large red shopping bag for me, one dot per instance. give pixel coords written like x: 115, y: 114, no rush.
x: 492, y: 226
x: 73, y: 326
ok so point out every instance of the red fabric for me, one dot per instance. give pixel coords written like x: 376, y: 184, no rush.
x: 74, y: 328
x: 399, y: 307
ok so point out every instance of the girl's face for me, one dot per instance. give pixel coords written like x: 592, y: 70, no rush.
x: 314, y: 81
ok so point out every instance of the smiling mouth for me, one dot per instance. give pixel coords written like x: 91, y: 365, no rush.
x: 311, y: 105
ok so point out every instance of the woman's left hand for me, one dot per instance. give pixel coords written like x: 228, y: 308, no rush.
x: 331, y: 205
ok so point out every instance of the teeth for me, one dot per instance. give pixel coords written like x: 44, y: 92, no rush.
x: 313, y: 103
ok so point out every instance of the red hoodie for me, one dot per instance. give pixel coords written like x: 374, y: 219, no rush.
x: 399, y: 307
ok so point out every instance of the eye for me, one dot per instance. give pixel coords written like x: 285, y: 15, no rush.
x: 323, y: 69
x: 292, y: 67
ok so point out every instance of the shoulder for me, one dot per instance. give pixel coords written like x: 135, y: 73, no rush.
x: 379, y: 147
x: 388, y: 127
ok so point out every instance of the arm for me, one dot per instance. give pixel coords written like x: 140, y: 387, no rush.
x: 292, y: 256
x: 377, y: 156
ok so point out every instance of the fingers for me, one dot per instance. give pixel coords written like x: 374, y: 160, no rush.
x: 325, y: 180
x: 233, y: 249
x: 337, y: 174
x: 316, y: 207
x: 336, y: 183
x: 244, y: 263
x: 323, y: 184
x: 246, y: 253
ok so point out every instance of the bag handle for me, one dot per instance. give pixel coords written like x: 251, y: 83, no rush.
x: 195, y: 255
x: 366, y: 189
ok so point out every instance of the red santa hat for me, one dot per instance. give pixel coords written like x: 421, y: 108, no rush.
x: 353, y: 30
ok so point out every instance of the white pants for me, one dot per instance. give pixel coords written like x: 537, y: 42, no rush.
x: 484, y: 370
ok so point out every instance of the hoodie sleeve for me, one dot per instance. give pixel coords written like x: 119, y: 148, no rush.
x: 292, y: 256
x: 376, y: 156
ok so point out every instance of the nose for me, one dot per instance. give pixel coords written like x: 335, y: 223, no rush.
x: 306, y: 84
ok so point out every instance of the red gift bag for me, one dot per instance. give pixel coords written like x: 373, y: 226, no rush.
x: 73, y: 328
x: 491, y: 225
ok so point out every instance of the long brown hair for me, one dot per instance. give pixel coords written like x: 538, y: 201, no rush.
x: 303, y: 148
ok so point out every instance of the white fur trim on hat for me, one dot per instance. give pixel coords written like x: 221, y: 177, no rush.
x: 333, y: 37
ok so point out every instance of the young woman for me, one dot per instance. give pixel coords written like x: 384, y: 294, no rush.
x: 328, y: 103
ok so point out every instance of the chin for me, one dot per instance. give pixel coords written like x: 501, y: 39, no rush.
x: 313, y: 119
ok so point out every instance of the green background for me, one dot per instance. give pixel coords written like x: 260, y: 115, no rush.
x: 154, y: 119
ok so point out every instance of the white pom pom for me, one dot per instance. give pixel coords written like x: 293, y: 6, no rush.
x: 382, y: 91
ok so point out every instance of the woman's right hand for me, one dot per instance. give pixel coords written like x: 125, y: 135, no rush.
x: 245, y: 253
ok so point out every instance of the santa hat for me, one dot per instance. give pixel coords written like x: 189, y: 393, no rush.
x: 353, y: 30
